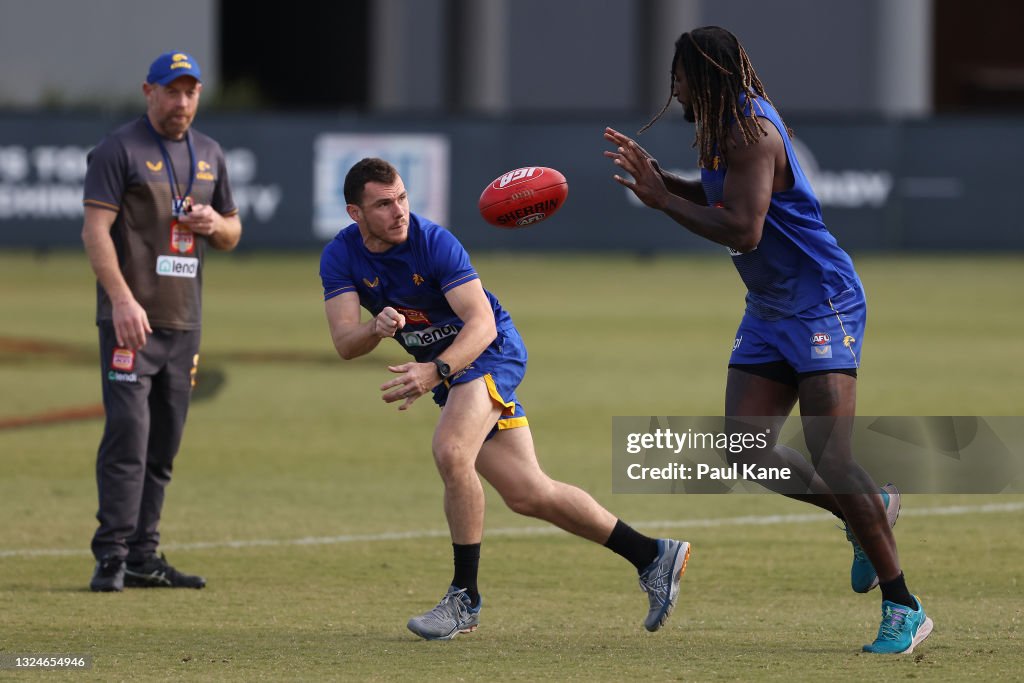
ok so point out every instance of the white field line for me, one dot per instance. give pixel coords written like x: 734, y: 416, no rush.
x: 749, y: 520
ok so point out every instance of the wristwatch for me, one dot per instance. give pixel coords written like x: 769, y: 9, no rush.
x: 442, y: 369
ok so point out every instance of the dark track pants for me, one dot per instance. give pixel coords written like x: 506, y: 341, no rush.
x: 146, y: 399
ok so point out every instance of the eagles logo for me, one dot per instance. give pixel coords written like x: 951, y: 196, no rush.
x: 204, y: 171
x: 417, y: 279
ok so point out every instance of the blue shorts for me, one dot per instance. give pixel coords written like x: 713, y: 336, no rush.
x: 502, y: 366
x: 823, y: 338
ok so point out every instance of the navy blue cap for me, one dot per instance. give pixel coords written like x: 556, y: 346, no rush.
x: 171, y: 65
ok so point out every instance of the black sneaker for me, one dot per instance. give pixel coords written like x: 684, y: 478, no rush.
x: 108, y: 576
x: 154, y: 572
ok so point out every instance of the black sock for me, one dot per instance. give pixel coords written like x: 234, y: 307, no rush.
x: 467, y: 562
x: 896, y: 591
x: 632, y: 545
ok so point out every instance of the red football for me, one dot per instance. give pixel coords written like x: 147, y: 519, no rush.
x: 523, y: 197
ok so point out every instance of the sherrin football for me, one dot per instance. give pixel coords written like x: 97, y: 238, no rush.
x: 523, y: 197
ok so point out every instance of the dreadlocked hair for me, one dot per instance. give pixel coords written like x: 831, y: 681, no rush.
x: 718, y: 72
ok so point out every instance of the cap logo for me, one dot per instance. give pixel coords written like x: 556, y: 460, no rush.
x: 180, y: 61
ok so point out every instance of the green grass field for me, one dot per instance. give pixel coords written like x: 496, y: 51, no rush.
x: 293, y: 474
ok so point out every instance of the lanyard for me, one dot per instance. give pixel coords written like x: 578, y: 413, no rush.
x: 177, y: 201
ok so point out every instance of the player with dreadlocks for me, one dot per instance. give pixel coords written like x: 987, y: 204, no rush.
x: 801, y: 334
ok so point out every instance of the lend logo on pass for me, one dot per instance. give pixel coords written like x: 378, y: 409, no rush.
x: 177, y: 266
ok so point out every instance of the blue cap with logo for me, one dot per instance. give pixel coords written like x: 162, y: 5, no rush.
x: 172, y: 65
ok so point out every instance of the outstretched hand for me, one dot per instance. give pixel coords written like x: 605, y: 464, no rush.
x: 647, y: 182
x: 414, y: 380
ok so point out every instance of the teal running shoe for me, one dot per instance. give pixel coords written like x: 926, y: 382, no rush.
x: 902, y: 629
x: 863, y: 576
x: 452, y: 616
x: 661, y: 580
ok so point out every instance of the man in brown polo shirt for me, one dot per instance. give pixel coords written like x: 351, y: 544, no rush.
x: 156, y: 194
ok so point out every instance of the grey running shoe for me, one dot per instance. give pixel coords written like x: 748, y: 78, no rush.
x: 661, y: 580
x: 108, y: 576
x: 452, y: 616
x: 155, y: 572
x: 863, y: 576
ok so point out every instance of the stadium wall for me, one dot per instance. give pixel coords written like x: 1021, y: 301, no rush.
x: 884, y: 185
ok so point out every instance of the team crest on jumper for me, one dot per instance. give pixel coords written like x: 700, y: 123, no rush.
x: 417, y: 279
x: 183, y: 240
x: 371, y: 285
x: 848, y: 341
x: 123, y: 360
x: 155, y: 168
x: 203, y: 169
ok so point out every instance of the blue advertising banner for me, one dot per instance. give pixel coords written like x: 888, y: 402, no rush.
x: 928, y: 185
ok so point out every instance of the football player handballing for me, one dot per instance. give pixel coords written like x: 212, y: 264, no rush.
x: 417, y: 282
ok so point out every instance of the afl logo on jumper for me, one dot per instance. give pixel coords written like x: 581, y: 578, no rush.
x: 821, y: 345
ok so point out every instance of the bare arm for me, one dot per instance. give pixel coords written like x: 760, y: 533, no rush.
x: 470, y: 304
x: 223, y: 232
x: 690, y: 190
x: 746, y: 196
x: 131, y: 324
x: 353, y: 338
